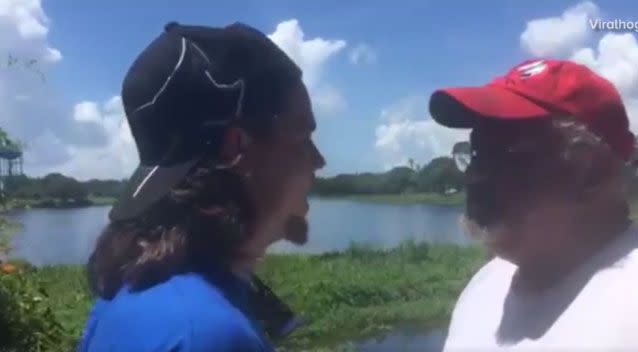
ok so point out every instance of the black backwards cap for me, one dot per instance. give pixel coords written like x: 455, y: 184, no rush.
x: 180, y: 93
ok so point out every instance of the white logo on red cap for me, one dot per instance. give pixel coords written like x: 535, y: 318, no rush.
x: 532, y: 69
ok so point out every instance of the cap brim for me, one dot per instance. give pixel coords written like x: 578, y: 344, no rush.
x: 461, y: 107
x: 147, y: 185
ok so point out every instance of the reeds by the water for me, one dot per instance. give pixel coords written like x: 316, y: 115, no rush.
x: 346, y: 296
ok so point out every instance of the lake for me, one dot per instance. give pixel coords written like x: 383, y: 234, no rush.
x: 67, y: 236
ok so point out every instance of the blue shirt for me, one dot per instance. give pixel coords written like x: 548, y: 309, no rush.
x: 184, y: 314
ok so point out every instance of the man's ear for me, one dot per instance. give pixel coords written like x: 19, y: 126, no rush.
x: 235, y: 142
x: 604, y: 177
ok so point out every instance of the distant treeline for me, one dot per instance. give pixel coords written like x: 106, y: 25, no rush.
x: 439, y: 176
x: 58, y: 186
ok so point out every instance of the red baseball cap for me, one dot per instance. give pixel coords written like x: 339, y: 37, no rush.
x: 541, y: 88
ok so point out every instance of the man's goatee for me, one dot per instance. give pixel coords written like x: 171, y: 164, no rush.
x: 296, y: 230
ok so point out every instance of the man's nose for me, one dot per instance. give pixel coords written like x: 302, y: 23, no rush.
x: 319, y: 160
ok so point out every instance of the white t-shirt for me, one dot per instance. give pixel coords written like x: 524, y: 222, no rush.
x: 593, y: 309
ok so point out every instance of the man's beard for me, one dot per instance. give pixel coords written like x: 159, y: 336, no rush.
x: 485, y: 204
x: 481, y: 232
x: 296, y: 230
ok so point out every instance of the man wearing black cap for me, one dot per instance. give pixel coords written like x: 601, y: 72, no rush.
x: 222, y: 123
x: 550, y: 152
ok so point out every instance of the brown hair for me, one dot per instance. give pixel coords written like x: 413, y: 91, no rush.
x: 593, y: 159
x: 597, y: 168
x: 174, y: 236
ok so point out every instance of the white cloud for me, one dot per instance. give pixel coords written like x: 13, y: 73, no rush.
x: 24, y: 29
x: 406, y: 132
x: 614, y: 56
x: 86, y: 111
x: 559, y: 35
x: 327, y: 100
x: 115, y: 158
x: 362, y: 54
x: 311, y: 55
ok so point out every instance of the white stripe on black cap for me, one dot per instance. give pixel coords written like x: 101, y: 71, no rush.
x: 168, y: 79
x: 237, y: 84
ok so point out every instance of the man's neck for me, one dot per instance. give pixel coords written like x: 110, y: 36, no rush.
x: 542, y: 272
x: 253, y: 251
x: 245, y: 268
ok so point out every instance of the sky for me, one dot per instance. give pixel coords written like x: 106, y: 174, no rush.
x: 370, y: 67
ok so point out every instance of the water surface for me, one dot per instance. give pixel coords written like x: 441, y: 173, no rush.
x: 66, y: 236
x: 406, y: 340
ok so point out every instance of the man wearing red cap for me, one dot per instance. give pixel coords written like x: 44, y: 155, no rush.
x: 550, y: 152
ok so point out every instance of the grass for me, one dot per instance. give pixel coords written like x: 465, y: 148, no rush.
x: 345, y: 296
x: 68, y: 294
x: 19, y: 203
x: 407, y: 198
x: 7, y: 230
x: 364, y: 292
x: 96, y: 200
x: 27, y: 203
x: 456, y: 199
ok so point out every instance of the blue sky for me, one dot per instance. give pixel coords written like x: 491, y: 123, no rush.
x: 417, y: 46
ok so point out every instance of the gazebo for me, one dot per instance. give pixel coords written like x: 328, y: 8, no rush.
x: 10, y: 163
x: 10, y: 160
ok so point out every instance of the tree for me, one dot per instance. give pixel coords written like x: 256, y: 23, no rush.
x: 440, y: 175
x: 59, y: 186
x: 399, y: 180
x: 411, y: 163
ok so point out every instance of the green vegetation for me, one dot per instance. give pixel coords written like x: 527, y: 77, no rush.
x: 440, y: 177
x: 58, y: 191
x: 28, y: 320
x: 345, y: 296
x: 364, y: 292
x: 7, y: 230
x: 102, y: 200
x: 59, y: 203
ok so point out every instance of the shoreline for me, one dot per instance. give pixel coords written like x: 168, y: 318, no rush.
x: 457, y: 199
x: 52, y: 203
x: 435, y: 199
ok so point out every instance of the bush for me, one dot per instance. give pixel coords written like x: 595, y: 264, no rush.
x: 27, y: 321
